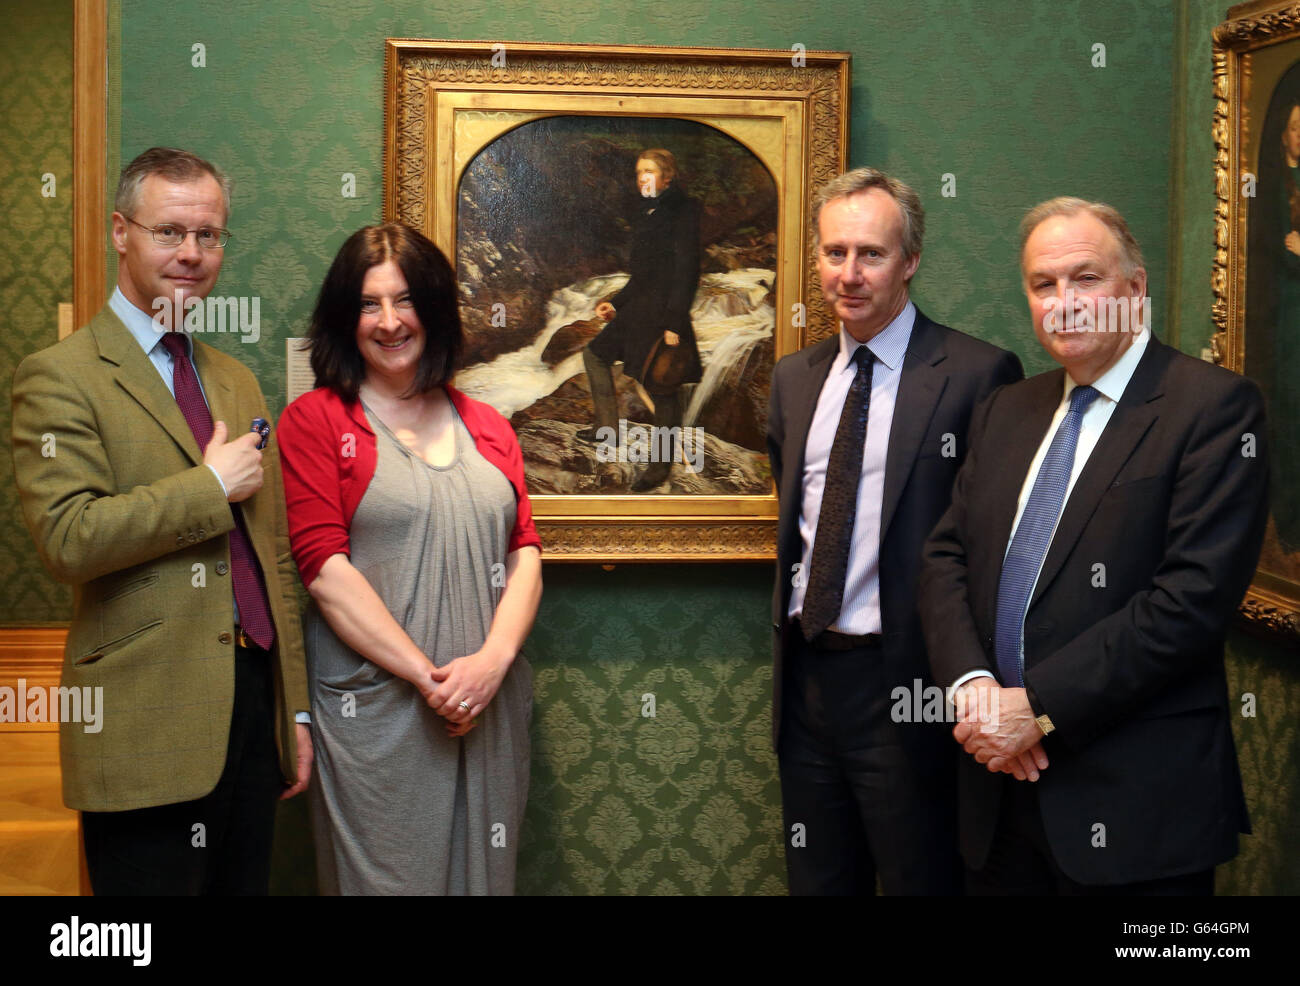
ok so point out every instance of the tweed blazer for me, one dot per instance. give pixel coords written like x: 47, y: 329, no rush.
x: 120, y: 506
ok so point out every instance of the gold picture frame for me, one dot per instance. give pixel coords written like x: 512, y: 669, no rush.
x: 1256, y: 64
x: 445, y: 101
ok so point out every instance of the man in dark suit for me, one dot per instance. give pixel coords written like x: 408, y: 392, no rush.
x: 173, y: 534
x: 1076, y: 595
x: 865, y: 432
x: 652, y: 311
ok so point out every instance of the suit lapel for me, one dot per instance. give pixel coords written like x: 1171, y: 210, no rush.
x: 802, y: 404
x: 798, y: 407
x: 141, y: 380
x: 222, y: 403
x: 1133, y: 416
x: 919, y: 389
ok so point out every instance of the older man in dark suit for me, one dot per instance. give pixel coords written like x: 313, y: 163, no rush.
x: 1103, y: 530
x: 866, y: 431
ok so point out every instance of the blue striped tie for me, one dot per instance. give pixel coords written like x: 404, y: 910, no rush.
x: 1033, y: 535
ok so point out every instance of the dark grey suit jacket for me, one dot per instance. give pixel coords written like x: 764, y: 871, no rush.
x: 1126, y: 658
x: 945, y: 374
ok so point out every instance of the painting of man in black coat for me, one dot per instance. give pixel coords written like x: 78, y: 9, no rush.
x: 648, y: 325
x: 608, y: 283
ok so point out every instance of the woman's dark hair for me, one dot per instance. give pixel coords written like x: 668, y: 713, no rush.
x: 335, y: 358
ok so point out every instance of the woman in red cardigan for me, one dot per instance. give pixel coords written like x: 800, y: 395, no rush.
x: 413, y: 533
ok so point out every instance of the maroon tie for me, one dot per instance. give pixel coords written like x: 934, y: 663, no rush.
x: 250, y: 590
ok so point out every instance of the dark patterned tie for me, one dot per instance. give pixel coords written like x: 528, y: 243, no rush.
x: 250, y: 590
x: 830, y: 554
x: 1033, y: 537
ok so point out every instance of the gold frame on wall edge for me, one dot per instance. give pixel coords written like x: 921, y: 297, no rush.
x: 1272, y: 604
x: 790, y: 108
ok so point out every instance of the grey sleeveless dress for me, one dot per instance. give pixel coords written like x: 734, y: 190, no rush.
x: 398, y: 806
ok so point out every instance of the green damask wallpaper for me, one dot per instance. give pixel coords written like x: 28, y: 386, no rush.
x: 1016, y: 101
x: 35, y: 252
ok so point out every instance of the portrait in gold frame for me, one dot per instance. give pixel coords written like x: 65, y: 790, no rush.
x: 1256, y: 275
x: 445, y: 102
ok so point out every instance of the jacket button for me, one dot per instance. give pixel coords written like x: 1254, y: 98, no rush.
x: 180, y: 538
x: 224, y: 637
x: 202, y: 533
x: 222, y: 568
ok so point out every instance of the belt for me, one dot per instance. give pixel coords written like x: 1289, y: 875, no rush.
x: 833, y: 640
x: 245, y: 641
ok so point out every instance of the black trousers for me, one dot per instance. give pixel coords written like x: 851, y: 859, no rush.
x: 870, y: 799
x: 218, y: 844
x: 1021, y: 863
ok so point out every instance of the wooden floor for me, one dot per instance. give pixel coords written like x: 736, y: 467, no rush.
x: 40, y: 848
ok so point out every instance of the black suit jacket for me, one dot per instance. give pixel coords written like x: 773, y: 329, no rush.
x: 945, y: 374
x: 663, y: 275
x: 1124, y: 634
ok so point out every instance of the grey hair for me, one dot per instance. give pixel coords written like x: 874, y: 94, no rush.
x: 170, y: 163
x: 1108, y: 216
x: 862, y: 179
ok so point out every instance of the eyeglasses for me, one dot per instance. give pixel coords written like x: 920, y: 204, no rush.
x: 171, y: 235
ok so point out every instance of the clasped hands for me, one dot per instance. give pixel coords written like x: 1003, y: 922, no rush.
x: 996, y: 726
x: 472, y: 679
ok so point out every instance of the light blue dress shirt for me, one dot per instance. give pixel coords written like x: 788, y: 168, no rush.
x: 860, y: 608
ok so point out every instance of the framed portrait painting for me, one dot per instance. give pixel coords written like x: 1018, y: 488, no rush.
x: 629, y: 228
x: 1256, y: 275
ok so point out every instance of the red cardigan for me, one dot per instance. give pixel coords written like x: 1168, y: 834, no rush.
x: 328, y: 454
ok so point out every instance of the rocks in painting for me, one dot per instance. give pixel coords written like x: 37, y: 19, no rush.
x: 571, y: 402
x: 743, y: 252
x: 736, y: 406
x: 559, y: 462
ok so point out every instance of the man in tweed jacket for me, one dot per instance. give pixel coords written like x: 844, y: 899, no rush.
x: 168, y: 545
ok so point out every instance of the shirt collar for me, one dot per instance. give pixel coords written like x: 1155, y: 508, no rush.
x: 889, y: 345
x: 141, y: 324
x: 1112, y: 383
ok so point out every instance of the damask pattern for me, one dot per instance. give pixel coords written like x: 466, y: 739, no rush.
x: 653, y: 770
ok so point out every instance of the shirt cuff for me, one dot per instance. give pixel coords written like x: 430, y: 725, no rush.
x: 218, y: 475
x: 302, y: 717
x: 968, y: 676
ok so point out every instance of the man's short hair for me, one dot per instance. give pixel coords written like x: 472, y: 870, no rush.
x: 335, y: 358
x: 1108, y: 216
x: 170, y: 163
x: 667, y: 163
x: 862, y: 179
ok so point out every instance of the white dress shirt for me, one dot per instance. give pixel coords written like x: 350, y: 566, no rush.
x: 860, y: 608
x: 1110, y: 388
